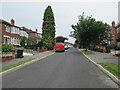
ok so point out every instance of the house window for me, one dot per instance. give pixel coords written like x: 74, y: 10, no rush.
x: 15, y: 41
x: 7, y: 28
x: 15, y: 30
x: 26, y: 34
x: 23, y: 33
x: 18, y: 30
x: 6, y: 40
x: 18, y: 41
x: 12, y: 40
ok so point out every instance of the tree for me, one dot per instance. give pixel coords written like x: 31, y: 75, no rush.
x: 23, y: 42
x: 89, y: 32
x: 32, y: 41
x: 48, y: 28
x: 118, y: 38
x: 40, y: 44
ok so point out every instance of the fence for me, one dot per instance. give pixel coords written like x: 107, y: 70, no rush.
x: 29, y: 51
x: 7, y: 56
x: 113, y: 51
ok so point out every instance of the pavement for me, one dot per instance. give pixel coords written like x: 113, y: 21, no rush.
x: 99, y: 57
x: 26, y: 57
x: 69, y: 69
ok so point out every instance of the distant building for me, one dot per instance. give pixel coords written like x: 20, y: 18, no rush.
x: 12, y: 34
x: 115, y: 32
x: 61, y: 39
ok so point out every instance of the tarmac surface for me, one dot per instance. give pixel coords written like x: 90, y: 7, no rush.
x: 69, y: 69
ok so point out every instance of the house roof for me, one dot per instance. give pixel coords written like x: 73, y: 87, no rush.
x: 22, y: 28
x: 3, y: 21
x: 28, y: 30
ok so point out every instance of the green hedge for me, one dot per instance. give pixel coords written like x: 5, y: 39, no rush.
x: 6, y: 48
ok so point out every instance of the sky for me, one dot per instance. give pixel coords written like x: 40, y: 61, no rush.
x: 30, y: 13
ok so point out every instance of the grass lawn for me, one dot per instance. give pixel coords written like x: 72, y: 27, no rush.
x: 16, y: 64
x: 113, y: 68
x: 87, y: 52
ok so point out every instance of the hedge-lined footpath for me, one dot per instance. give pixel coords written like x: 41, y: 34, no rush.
x: 113, y: 68
x: 15, y: 65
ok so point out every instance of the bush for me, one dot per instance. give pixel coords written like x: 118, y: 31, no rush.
x: 1, y: 48
x: 6, y: 48
x: 22, y: 42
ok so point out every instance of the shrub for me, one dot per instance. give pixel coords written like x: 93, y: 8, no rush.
x: 1, y: 48
x: 23, y: 41
x: 6, y: 48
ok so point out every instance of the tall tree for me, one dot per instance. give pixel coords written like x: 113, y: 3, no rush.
x: 88, y: 31
x: 48, y: 28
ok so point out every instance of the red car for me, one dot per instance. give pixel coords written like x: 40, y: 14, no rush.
x: 59, y: 47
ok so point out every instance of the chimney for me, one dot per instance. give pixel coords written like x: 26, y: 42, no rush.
x: 12, y: 22
x: 36, y: 30
x: 113, y: 23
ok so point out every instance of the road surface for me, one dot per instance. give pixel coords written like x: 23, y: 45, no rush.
x: 69, y: 69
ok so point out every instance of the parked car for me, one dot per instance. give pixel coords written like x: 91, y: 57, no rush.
x: 59, y: 47
x: 66, y: 46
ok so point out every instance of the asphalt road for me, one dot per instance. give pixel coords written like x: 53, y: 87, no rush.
x: 69, y: 69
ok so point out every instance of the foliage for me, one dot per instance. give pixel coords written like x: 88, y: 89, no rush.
x: 118, y: 38
x: 48, y: 42
x: 40, y: 44
x: 0, y: 48
x: 48, y: 28
x: 89, y: 32
x: 6, y: 48
x: 32, y: 41
x: 23, y: 42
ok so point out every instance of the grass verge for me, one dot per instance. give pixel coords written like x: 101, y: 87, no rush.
x: 53, y: 51
x: 15, y: 65
x: 87, y: 52
x: 113, y: 68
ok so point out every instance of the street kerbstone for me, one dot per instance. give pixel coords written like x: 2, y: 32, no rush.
x: 13, y: 61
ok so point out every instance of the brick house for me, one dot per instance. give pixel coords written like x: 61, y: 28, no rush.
x: 115, y: 32
x: 12, y: 34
